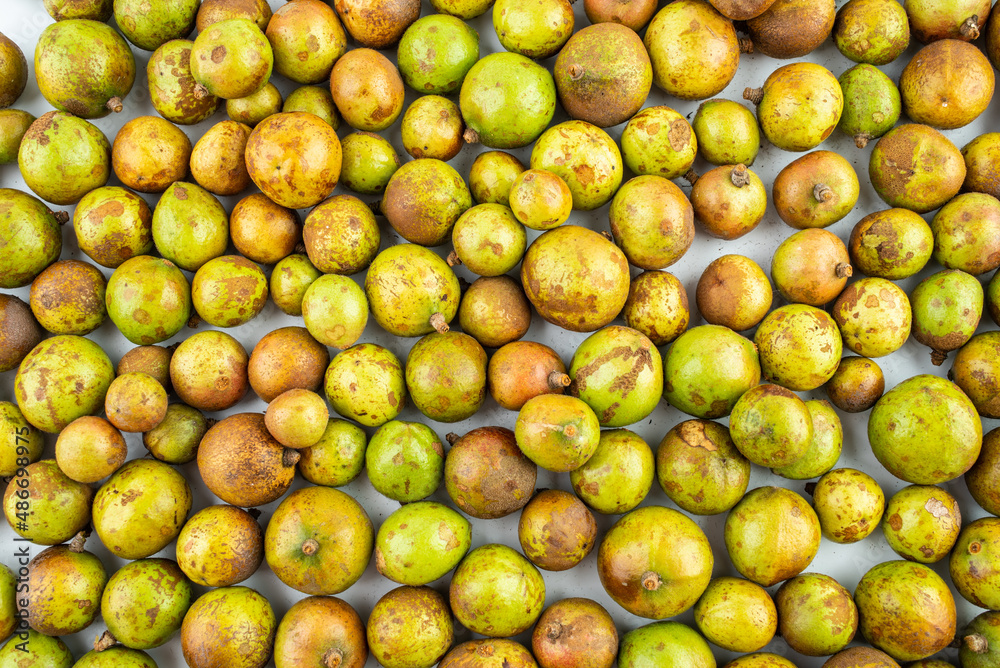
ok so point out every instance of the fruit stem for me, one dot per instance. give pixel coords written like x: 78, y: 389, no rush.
x: 746, y: 44
x: 333, y: 658
x: 844, y: 270
x: 453, y: 259
x: 970, y: 28
x: 607, y: 235
x: 574, y: 71
x: 451, y: 437
x: 210, y: 422
x: 755, y: 95
x: 104, y: 641
x: 200, y: 92
x: 976, y: 643
x: 439, y: 324
x: 115, y: 104
x: 310, y: 546
x: 861, y: 139
x: 938, y: 357
x: 810, y: 488
x: 290, y: 457
x: 300, y: 248
x: 470, y: 136
x: 558, y: 380
x: 61, y: 216
x: 553, y: 630
x: 739, y: 176
x: 79, y: 540
x: 650, y: 581
x: 690, y: 176
x: 194, y: 321
x: 823, y: 192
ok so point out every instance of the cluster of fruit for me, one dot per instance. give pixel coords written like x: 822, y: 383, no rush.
x: 517, y: 229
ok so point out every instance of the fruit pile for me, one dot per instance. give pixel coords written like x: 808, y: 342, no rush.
x: 272, y: 393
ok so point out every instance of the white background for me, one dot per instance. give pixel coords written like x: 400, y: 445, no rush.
x: 23, y: 21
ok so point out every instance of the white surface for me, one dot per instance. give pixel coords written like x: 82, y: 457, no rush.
x: 23, y: 21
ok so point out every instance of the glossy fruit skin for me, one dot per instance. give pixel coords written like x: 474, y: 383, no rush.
x: 63, y: 157
x: 655, y: 562
x: 921, y: 523
x: 811, y: 267
x: 63, y: 590
x: 537, y: 30
x: 947, y: 84
x: 115, y: 657
x: 489, y: 653
x: 799, y: 346
x: 35, y: 650
x: 849, y: 504
x: 368, y: 161
x: 311, y: 27
x: 871, y: 31
x: 816, y: 614
x: 61, y: 379
x: 894, y: 243
x: 13, y: 71
x: 915, y: 167
x: 406, y: 285
x: 496, y: 592
x: 112, y: 225
x: 446, y: 376
x: 436, y: 52
x: 83, y: 83
x: 540, y: 199
x: 286, y: 358
x: 432, y: 128
x: 946, y: 307
x: 659, y: 141
x: 984, y: 626
x: 652, y: 222
x: 521, y: 370
x: 230, y: 626
x: 923, y: 618
x: 585, y: 157
x: 49, y: 508
x: 405, y: 461
x: 172, y: 89
x: 874, y: 317
x: 13, y: 124
x: 665, y: 644
x: 507, y: 100
x: 486, y: 474
x: 619, y: 474
x: 657, y: 306
x: 736, y: 614
x: 20, y: 443
x: 367, y: 89
x: 140, y: 586
x: 341, y: 536
x: 825, y: 447
x: 190, y: 226
x: 229, y: 291
x: 556, y: 530
x: 337, y: 458
x: 317, y: 629
x: 379, y: 375
x: 699, y: 467
x: 219, y: 546
x: 297, y: 418
x: 932, y: 21
x: 148, y: 299
x: 335, y: 310
x: 557, y: 432
x: 729, y: 201
x: 973, y: 563
x: 733, y: 291
x: 219, y: 166
x: 771, y: 426
x: 573, y: 631
x: 692, y: 64
x: 925, y: 430
x: 421, y: 542
x: 801, y: 106
x: 232, y: 59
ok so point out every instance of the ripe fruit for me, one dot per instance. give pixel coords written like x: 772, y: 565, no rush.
x: 323, y: 630
x: 138, y: 587
x: 573, y: 631
x: 799, y: 105
x: 659, y: 141
x: 231, y: 626
x: 619, y: 474
x: 446, y: 376
x: 700, y: 469
x: 220, y: 546
x: 411, y: 291
x: 874, y: 317
x: 816, y: 614
x: 486, y: 474
x: 856, y: 385
x: 585, y: 157
x: 652, y: 222
x: 536, y: 30
x: 915, y: 167
x: 729, y: 201
x: 173, y: 92
x: 871, y: 31
x: 657, y: 306
x: 921, y: 523
x: 556, y: 531
x: 849, y: 504
x: 410, y: 627
x: 231, y: 59
x: 496, y: 592
x: 799, y: 346
x: 341, y: 235
x: 50, y: 507
x: 871, y: 103
x: 423, y: 199
x: 734, y: 292
x: 63, y: 589
x: 791, y: 28
x: 947, y: 84
x: 736, y: 614
x: 378, y: 376
x: 521, y: 370
x: 815, y: 190
x: 811, y: 267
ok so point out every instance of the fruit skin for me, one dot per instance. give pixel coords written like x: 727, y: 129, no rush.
x: 228, y: 626
x: 947, y: 84
x: 800, y: 106
x: 925, y: 430
x: 317, y: 629
x: 135, y: 402
x: 48, y: 507
x: 915, y: 167
x: 921, y: 523
x: 423, y: 199
x: 32, y: 649
x: 507, y: 100
x: 311, y: 27
x: 421, y: 542
x: 652, y: 222
x: 367, y: 89
x: 284, y: 359
x: 13, y: 124
x: 61, y: 379
x: 811, y: 267
x: 727, y: 132
x: 575, y: 631
x: 290, y: 279
x: 149, y: 26
x: 446, y: 376
x: 335, y: 310
x: 209, y: 371
x: 31, y: 237
x: 20, y: 443
x: 556, y: 530
x: 871, y: 31
x: 953, y: 19
x: 68, y: 297
x: 619, y: 373
x: 575, y: 278
x: 491, y: 176
x: 799, y: 346
x: 771, y: 426
x: 148, y: 299
x: 297, y: 418
x: 980, y: 647
x: 112, y: 225
x: 815, y: 190
x: 489, y: 240
x: 693, y: 49
x: 407, y: 287
x: 922, y: 617
x: 655, y: 562
x: 736, y: 614
x: 405, y: 461
x: 557, y: 432
x: 659, y: 141
x: 141, y: 586
x: 190, y: 226
x: 486, y: 474
x: 220, y: 546
x: 63, y: 157
x: 13, y: 71
x: 90, y: 449
x: 410, y: 627
x: 378, y: 374
x: 816, y: 614
x: 141, y: 508
x: 776, y: 519
x: 967, y: 233
x: 115, y: 657
x: 172, y: 89
x: 537, y: 30
x: 849, y: 504
x: 981, y: 478
x: 494, y: 311
x: 318, y: 541
x: 63, y: 590
x: 489, y: 653
x: 665, y: 644
x: 874, y: 317
x: 657, y: 306
x: 729, y: 201
x: 218, y: 165
x: 540, y: 199
x: 825, y: 447
x: 231, y: 59
x: 229, y: 291
x: 772, y: 34
x: 83, y: 67
x: 973, y: 563
x: 946, y: 311
x: 699, y: 467
x: 496, y: 592
x: 860, y: 657
x: 337, y: 458
x: 707, y: 369
x: 377, y: 25
x: 436, y: 52
x: 585, y: 157
x: 733, y: 291
x: 894, y: 243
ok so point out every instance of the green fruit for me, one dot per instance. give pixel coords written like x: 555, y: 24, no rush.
x: 190, y: 226
x: 736, y: 614
x: 405, y: 461
x: 981, y: 641
x: 84, y: 67
x: 618, y: 372
x: 63, y: 157
x: 799, y: 105
x: 423, y: 199
x: 905, y: 610
x: 30, y: 236
x: 652, y: 222
x: 229, y: 626
x: 63, y: 590
x: 62, y: 378
x: 446, y: 376
x: 619, y: 474
x: 816, y: 614
x: 220, y: 546
x: 173, y: 92
x: 916, y: 167
x: 20, y: 443
x: 231, y: 59
x: 849, y: 504
x: 557, y: 432
x: 824, y: 448
x: 874, y: 317
x: 871, y: 31
x: 148, y: 299
x: 921, y: 523
x: 410, y: 627
x: 14, y: 123
x: 337, y: 458
x: 946, y: 311
x: 149, y: 27
x: 726, y: 132
x: 368, y: 162
x: 306, y: 39
x: 436, y: 52
x: 229, y: 291
x: 496, y: 592
x: 771, y: 426
x: 871, y: 103
x: 421, y: 542
x: 655, y: 562
x: 700, y: 469
x: 31, y: 649
x: 139, y: 587
x: 659, y: 141
x: 315, y: 100
x: 892, y: 244
x: 341, y: 235
x: 488, y: 239
x: 492, y: 175
x: 585, y: 157
x: 290, y: 279
x: 981, y: 478
x: 112, y: 225
x: 540, y: 199
x: 664, y: 645
x: 378, y: 376
x: 254, y: 108
x: 799, y: 347
x: 432, y: 128
x: 318, y: 541
x: 536, y: 30
x: 141, y: 508
x: 775, y: 521
x: 707, y: 369
x: 973, y: 566
x: 411, y: 291
x: 335, y: 310
x: 967, y: 233
x: 507, y: 100
x: 925, y: 430
x: 46, y: 506
x: 115, y: 657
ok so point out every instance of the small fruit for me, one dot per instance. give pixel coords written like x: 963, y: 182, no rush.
x: 367, y: 89
x: 727, y: 133
x: 734, y: 292
x: 871, y: 31
x: 657, y: 306
x: 556, y: 530
x: 700, y: 469
x: 874, y: 317
x: 557, y: 432
x: 297, y: 418
x: 496, y: 592
x: 811, y: 267
x: 573, y: 631
x: 771, y: 426
x: 446, y: 376
x: 421, y: 542
x: 816, y: 614
x: 209, y: 371
x: 135, y: 402
x: 585, y: 157
x: 921, y: 523
x: 815, y: 190
x: 892, y: 244
x: 729, y: 201
x: 871, y: 103
x: 486, y: 474
x: 231, y: 59
x: 856, y: 385
x: 619, y: 474
x: 659, y: 141
x: 536, y: 30
x: 736, y: 614
x: 849, y: 504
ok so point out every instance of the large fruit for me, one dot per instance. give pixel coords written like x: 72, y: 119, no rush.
x: 63, y: 157
x: 799, y: 105
x: 231, y: 59
x: 411, y: 291
x: 29, y: 236
x: 915, y: 167
x: 148, y: 299
x: 228, y: 626
x: 496, y: 592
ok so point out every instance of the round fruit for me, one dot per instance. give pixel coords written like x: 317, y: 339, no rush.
x: 496, y: 592
x: 657, y: 306
x: 585, y: 157
x: 699, y: 467
x: 816, y: 614
x: 230, y: 626
x: 619, y: 474
x: 231, y: 59
x: 799, y: 346
x: 921, y: 523
x: 436, y: 52
x: 486, y: 474
x: 799, y: 105
x: 322, y: 630
x: 220, y: 546
x: 63, y: 157
x: 421, y: 542
x: 405, y: 461
x: 575, y: 631
x: 410, y: 627
x: 734, y: 292
x: 367, y: 89
x: 874, y: 317
x: 915, y: 167
x: 556, y: 530
x: 736, y: 614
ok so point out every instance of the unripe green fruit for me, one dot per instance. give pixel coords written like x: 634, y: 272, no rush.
x: 421, y: 542
x: 405, y: 461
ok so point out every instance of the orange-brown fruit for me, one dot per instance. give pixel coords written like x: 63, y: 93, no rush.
x: 213, y: 11
x: 792, y: 28
x: 377, y: 24
x: 322, y: 631
x: 242, y: 464
x: 209, y: 371
x: 521, y: 370
x: 486, y: 474
x: 284, y: 359
x: 367, y: 89
x: 150, y: 153
x: 556, y: 530
x: 815, y: 190
x: 217, y: 159
x: 733, y: 291
x: 152, y: 360
x: 931, y: 20
x: 263, y: 231
x: 488, y: 653
x: 947, y: 84
x: 860, y: 657
x: 856, y: 385
x: 634, y: 14
x: 90, y: 449
x: 575, y: 632
x: 741, y: 10
x: 135, y: 402
x: 19, y: 331
x: 811, y: 267
x: 494, y: 311
x: 729, y: 201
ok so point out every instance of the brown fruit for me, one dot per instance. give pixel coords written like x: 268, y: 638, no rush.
x: 152, y: 360
x: 321, y: 631
x: 217, y: 159
x: 947, y: 84
x: 150, y: 153
x: 377, y: 24
x: 575, y: 632
x: 367, y: 89
x: 263, y: 231
x: 634, y: 14
x: 494, y: 311
x: 856, y: 384
x: 815, y: 190
x: 285, y: 359
x: 213, y: 11
x: 521, y: 370
x: 486, y: 474
x: 741, y: 10
x: 792, y: 28
x: 209, y: 371
x: 556, y: 530
x: 733, y: 291
x: 811, y: 267
x: 19, y: 331
x: 135, y: 402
